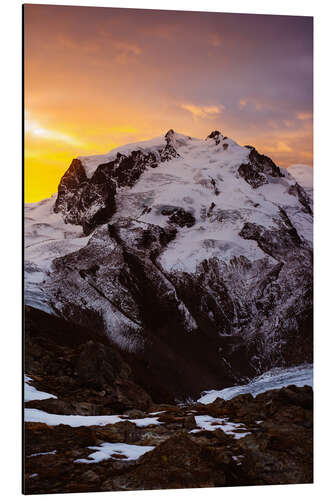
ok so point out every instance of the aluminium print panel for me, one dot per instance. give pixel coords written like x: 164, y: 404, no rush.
x: 168, y: 219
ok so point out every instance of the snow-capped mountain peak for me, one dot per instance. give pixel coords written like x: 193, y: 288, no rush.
x: 202, y: 237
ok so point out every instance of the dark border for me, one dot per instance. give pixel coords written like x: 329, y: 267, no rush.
x: 22, y: 262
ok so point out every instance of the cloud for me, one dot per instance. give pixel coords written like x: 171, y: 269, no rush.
x: 255, y: 104
x: 33, y: 128
x: 288, y: 123
x: 215, y: 40
x: 128, y: 48
x: 280, y: 147
x: 203, y: 111
x: 304, y: 116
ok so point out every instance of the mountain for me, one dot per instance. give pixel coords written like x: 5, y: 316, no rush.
x: 303, y: 175
x: 193, y: 257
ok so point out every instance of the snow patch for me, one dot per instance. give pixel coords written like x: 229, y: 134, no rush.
x: 208, y: 423
x: 43, y: 453
x: 33, y: 394
x: 106, y: 451
x: 33, y: 415
x: 273, y: 379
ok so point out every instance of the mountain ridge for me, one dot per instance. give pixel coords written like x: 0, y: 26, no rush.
x: 184, y: 252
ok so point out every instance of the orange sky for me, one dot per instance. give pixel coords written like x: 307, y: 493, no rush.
x: 96, y: 78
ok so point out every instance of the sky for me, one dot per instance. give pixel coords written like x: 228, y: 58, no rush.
x: 96, y: 78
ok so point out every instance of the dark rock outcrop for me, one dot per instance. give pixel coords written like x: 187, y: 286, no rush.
x: 91, y: 202
x: 83, y: 201
x: 257, y: 169
x: 216, y: 135
x: 81, y: 368
x: 178, y: 462
x: 179, y: 216
x: 297, y: 190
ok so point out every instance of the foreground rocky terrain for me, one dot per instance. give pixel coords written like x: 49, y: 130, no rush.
x: 137, y: 443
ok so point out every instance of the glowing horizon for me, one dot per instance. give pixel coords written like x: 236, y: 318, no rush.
x: 97, y: 78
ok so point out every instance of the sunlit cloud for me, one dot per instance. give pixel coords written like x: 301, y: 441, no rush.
x: 255, y: 104
x: 304, y: 116
x: 128, y: 48
x: 216, y: 40
x: 279, y: 147
x: 35, y: 129
x: 203, y: 111
x: 288, y: 123
x: 261, y: 106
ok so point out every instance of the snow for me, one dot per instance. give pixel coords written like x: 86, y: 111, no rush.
x: 33, y: 415
x: 106, y: 450
x: 208, y: 423
x: 32, y: 394
x: 44, y: 453
x: 238, y: 459
x: 90, y: 163
x: 203, y: 181
x: 303, y: 174
x: 144, y: 422
x: 187, y: 182
x: 46, y: 237
x: 274, y: 379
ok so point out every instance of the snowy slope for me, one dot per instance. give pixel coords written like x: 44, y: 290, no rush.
x: 274, y: 379
x: 91, y: 163
x: 191, y: 182
x: 303, y: 175
x: 46, y: 237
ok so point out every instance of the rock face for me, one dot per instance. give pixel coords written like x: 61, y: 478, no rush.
x: 88, y: 376
x: 86, y: 202
x: 198, y: 263
x: 258, y: 169
x: 90, y: 202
